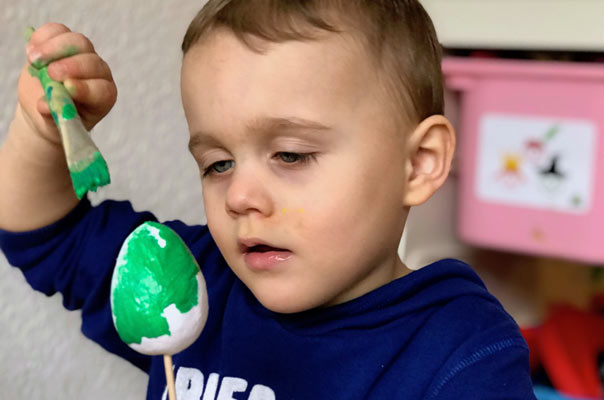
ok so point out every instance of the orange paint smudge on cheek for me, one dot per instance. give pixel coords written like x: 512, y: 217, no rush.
x: 293, y: 210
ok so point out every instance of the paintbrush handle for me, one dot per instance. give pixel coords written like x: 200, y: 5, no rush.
x: 76, y: 140
x: 60, y: 103
x: 87, y: 166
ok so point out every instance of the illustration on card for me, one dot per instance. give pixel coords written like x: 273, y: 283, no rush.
x: 536, y: 162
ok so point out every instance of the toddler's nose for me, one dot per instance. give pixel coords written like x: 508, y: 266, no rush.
x: 246, y: 194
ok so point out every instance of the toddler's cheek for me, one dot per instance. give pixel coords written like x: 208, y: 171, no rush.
x: 295, y: 220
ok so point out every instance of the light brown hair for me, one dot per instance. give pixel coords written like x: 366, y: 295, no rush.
x: 399, y: 35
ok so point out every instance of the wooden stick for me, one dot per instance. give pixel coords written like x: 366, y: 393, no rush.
x: 170, y: 376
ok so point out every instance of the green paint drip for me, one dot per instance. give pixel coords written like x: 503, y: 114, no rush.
x: 55, y: 117
x: 89, y: 174
x: 28, y: 32
x: 70, y: 51
x: 56, y: 95
x: 33, y: 71
x: 154, y: 270
x: 39, y: 64
x: 69, y: 111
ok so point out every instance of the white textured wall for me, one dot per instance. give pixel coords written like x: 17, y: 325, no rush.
x: 43, y: 354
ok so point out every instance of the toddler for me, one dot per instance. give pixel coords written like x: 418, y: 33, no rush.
x: 316, y: 125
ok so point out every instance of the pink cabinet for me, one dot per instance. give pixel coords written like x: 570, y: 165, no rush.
x: 531, y: 155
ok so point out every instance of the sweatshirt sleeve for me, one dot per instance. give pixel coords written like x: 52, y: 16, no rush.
x: 497, y: 371
x: 76, y: 255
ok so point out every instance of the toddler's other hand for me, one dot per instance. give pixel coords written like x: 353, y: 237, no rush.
x: 71, y: 59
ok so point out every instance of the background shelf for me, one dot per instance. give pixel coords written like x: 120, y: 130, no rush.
x: 573, y: 25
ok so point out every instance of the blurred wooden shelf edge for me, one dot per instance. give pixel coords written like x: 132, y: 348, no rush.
x: 568, y: 25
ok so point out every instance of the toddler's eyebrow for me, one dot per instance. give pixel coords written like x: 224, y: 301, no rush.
x: 200, y: 139
x: 272, y: 124
x: 265, y: 125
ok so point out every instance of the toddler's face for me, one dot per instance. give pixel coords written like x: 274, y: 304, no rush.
x: 303, y: 170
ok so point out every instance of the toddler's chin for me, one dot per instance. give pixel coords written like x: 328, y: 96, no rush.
x: 289, y: 303
x: 284, y: 306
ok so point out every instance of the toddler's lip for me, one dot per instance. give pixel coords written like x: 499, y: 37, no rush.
x: 245, y: 244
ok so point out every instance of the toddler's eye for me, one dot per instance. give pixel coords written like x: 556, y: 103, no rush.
x: 219, y: 167
x: 291, y: 158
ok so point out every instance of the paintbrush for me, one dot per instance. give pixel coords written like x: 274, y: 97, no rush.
x: 87, y: 166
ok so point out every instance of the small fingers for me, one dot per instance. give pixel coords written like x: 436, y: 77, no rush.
x: 59, y: 46
x: 81, y: 66
x: 43, y: 108
x: 46, y: 32
x: 42, y: 35
x: 94, y: 93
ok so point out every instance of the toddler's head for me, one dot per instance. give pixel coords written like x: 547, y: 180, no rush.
x: 316, y: 125
x: 397, y: 35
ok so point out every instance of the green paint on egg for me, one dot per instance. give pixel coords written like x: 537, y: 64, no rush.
x: 154, y: 270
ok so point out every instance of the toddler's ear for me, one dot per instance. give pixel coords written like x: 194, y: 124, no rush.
x: 430, y: 151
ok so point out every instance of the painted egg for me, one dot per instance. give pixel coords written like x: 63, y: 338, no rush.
x: 159, y: 300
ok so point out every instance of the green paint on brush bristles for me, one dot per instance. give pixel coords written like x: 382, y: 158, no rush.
x: 88, y: 175
x: 86, y: 165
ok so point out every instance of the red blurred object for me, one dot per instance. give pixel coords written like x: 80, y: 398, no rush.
x: 531, y: 336
x: 597, y: 303
x: 567, y: 346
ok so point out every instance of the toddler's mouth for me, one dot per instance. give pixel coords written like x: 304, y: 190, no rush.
x: 261, y: 256
x: 261, y: 248
x: 257, y: 246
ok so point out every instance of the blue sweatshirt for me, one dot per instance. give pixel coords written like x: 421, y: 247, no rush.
x: 435, y: 333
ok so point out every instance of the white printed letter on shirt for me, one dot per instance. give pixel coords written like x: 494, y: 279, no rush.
x: 261, y: 392
x: 229, y: 386
x: 189, y: 383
